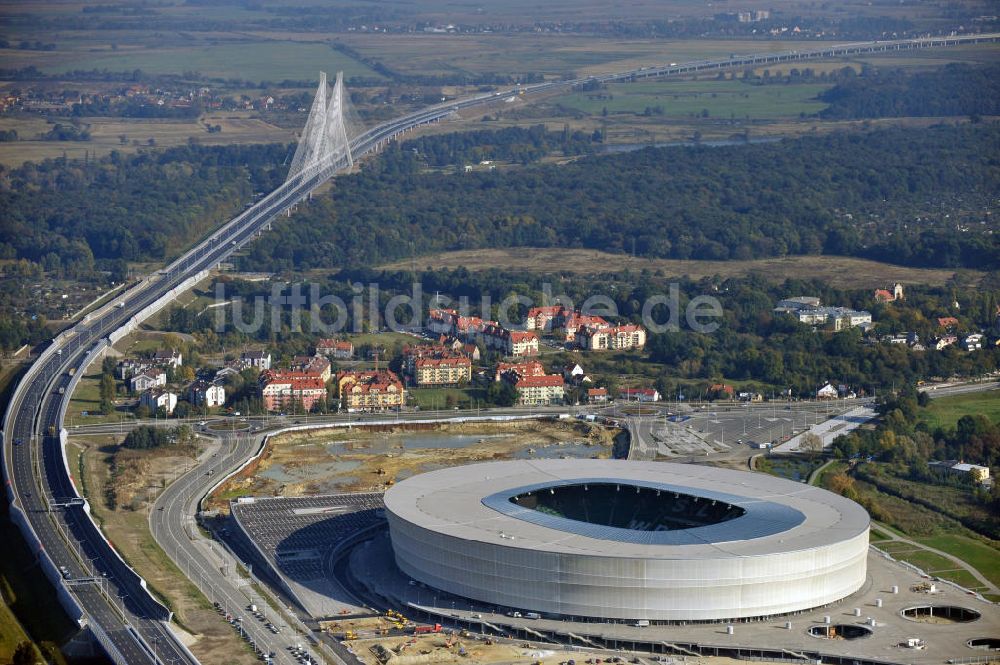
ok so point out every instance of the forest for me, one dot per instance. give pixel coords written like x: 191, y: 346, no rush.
x: 811, y: 195
x: 955, y: 89
x: 72, y: 216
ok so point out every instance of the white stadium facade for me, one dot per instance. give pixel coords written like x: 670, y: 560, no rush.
x: 614, y: 539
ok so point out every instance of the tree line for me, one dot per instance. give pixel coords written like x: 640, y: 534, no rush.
x: 955, y: 89
x: 879, y: 195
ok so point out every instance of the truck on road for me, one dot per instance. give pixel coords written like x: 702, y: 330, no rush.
x: 423, y: 630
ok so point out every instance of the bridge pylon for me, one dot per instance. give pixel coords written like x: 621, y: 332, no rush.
x: 324, y: 141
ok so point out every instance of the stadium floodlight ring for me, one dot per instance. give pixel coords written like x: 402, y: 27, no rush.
x: 615, y: 539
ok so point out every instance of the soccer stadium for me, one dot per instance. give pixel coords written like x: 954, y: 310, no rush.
x: 613, y: 539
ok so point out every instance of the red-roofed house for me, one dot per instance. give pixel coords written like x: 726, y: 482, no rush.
x: 947, y: 321
x: 720, y: 389
x: 597, y: 395
x: 640, y: 394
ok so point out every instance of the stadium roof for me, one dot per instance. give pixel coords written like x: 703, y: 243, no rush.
x: 472, y: 503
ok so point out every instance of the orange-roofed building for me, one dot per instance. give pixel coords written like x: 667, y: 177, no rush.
x: 539, y: 390
x: 374, y: 390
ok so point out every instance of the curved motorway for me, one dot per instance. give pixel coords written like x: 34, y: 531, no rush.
x: 128, y: 621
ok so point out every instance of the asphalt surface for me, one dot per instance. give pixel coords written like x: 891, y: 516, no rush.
x: 36, y: 403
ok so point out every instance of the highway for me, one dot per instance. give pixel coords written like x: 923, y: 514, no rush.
x: 129, y: 623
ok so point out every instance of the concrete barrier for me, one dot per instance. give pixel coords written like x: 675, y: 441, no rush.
x: 66, y: 600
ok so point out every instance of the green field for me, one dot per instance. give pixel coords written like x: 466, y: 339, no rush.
x: 946, y: 411
x: 250, y: 60
x: 437, y: 398
x: 721, y: 99
x: 87, y: 397
x: 979, y: 555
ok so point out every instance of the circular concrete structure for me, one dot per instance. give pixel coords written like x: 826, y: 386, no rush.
x: 626, y: 540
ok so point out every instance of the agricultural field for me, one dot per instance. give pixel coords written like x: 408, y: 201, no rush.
x: 849, y: 272
x: 139, y: 134
x: 552, y: 55
x: 715, y: 99
x: 248, y: 59
x: 555, y: 55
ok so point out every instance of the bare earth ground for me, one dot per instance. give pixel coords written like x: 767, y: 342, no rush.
x: 363, y: 460
x: 128, y: 530
x: 444, y: 648
x: 846, y: 272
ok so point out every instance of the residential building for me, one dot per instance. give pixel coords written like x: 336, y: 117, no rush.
x: 611, y: 338
x: 158, y: 398
x: 164, y: 357
x: 522, y: 369
x: 945, y: 341
x: 947, y: 322
x: 203, y: 393
x: 376, y: 390
x: 640, y: 394
x: 542, y: 318
x: 721, y: 390
x: 260, y: 360
x: 281, y: 390
x: 316, y: 365
x: 573, y: 373
x: 539, y: 390
x: 437, y: 364
x: 442, y: 371
x: 337, y: 349
x: 596, y: 395
x: 973, y: 342
x: 827, y: 391
x: 572, y: 322
x: 151, y: 378
x: 228, y: 370
x: 514, y: 343
x: 129, y: 367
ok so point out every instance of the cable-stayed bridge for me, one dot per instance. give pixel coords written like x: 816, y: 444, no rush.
x: 95, y: 586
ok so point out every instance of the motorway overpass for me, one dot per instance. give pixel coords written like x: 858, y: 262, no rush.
x: 96, y: 587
